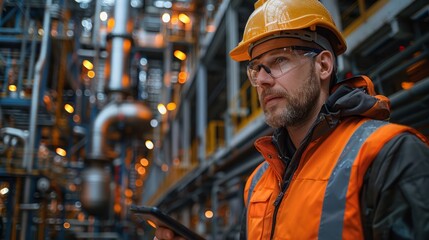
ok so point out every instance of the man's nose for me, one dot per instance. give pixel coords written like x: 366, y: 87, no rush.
x: 264, y: 77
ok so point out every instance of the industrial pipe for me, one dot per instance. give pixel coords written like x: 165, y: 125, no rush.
x: 35, y: 95
x: 126, y: 112
x: 96, y: 177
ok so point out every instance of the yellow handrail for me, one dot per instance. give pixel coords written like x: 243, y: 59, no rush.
x: 248, y: 107
x: 215, y: 136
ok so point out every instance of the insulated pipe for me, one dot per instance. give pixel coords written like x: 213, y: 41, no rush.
x: 96, y: 194
x: 115, y: 112
x: 35, y: 95
x: 120, y: 49
x: 96, y: 178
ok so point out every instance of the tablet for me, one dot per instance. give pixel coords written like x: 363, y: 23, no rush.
x: 155, y: 217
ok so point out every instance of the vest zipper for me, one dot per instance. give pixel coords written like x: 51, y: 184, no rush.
x: 276, y: 204
x: 283, y: 185
x: 289, y: 172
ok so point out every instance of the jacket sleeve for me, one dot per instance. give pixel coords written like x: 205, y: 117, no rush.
x: 395, y: 193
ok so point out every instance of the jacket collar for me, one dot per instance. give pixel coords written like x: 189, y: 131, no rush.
x: 352, y: 97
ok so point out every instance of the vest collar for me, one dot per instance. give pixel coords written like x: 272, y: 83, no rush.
x: 352, y: 97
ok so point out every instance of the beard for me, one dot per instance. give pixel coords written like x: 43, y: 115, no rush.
x: 298, y: 107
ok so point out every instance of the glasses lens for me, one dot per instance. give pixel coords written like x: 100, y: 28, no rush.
x: 281, y: 66
x: 279, y: 62
x: 252, y: 73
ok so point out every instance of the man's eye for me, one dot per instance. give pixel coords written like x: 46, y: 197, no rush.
x: 255, y: 67
x: 278, y: 60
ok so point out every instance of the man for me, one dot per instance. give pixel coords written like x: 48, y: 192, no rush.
x: 334, y: 168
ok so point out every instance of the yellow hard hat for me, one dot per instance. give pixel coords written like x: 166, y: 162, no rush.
x: 280, y: 17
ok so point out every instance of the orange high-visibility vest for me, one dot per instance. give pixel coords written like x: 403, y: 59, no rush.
x: 322, y: 199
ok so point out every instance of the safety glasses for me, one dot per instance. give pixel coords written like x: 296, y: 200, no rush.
x: 279, y: 62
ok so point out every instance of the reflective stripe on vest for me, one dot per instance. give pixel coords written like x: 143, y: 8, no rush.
x: 255, y: 180
x: 334, y: 203
x: 331, y: 224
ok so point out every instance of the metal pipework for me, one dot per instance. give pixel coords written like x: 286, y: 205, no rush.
x: 128, y: 112
x: 29, y: 151
x: 96, y: 194
x: 120, y: 49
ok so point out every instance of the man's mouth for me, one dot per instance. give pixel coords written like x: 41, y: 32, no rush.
x: 271, y: 99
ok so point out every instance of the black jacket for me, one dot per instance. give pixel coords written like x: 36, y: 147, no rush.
x: 395, y: 192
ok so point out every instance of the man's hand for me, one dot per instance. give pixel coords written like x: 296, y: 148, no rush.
x: 162, y: 233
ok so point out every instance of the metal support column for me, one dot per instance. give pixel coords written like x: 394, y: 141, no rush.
x: 201, y: 96
x: 232, y: 72
x: 29, y: 153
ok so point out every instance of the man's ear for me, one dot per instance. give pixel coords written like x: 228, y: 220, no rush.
x: 326, y: 60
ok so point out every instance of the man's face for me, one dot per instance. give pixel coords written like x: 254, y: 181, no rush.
x: 290, y: 99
